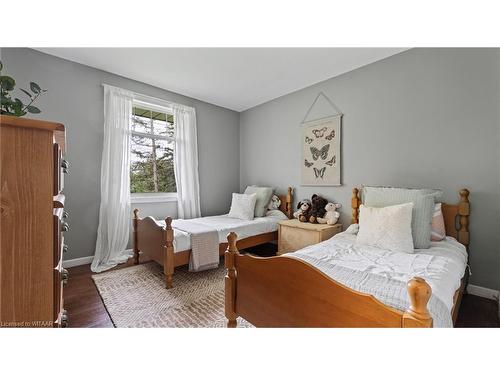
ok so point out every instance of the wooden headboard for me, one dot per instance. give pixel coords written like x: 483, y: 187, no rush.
x: 456, y: 216
x: 287, y: 203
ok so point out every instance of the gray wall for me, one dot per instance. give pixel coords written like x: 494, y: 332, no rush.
x: 75, y: 98
x: 423, y: 118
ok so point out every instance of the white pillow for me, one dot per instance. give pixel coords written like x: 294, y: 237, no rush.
x: 352, y: 229
x: 243, y: 206
x: 276, y: 213
x: 386, y: 227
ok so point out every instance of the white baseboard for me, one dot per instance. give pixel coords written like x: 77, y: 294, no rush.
x: 483, y: 292
x: 77, y: 262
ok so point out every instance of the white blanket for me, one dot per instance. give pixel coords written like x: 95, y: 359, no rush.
x: 442, y: 266
x: 224, y: 224
x: 204, y: 244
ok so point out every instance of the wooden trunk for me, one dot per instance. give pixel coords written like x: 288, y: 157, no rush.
x: 294, y: 235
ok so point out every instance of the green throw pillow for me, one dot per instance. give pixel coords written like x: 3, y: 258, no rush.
x: 264, y: 195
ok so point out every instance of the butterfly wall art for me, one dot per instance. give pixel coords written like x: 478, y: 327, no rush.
x: 321, y: 152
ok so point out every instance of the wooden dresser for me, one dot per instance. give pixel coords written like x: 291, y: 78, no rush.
x: 32, y: 223
x: 294, y: 235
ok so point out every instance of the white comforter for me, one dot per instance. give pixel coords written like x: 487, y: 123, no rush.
x: 442, y: 265
x: 224, y: 225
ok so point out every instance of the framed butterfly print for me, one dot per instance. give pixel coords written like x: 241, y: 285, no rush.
x: 320, y: 163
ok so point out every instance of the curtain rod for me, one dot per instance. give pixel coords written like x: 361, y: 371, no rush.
x: 140, y: 96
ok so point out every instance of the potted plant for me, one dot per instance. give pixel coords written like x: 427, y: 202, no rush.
x: 15, y: 107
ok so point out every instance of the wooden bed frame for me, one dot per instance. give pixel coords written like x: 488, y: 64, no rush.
x: 287, y: 292
x: 155, y: 242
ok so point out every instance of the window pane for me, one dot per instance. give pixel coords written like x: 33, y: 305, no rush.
x: 141, y: 124
x: 152, y: 122
x: 170, y: 126
x: 152, y: 167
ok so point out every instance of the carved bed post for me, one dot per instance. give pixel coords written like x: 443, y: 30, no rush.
x: 168, y: 264
x: 230, y: 280
x: 136, y: 243
x: 463, y: 213
x: 418, y: 316
x: 355, y: 203
x: 289, y: 203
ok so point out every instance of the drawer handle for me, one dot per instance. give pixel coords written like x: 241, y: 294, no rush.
x: 65, y: 248
x: 64, y: 319
x: 65, y: 214
x: 64, y: 276
x: 65, y: 227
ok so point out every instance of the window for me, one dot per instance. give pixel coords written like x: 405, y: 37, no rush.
x: 152, y: 154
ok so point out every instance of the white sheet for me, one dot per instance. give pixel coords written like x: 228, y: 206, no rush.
x: 224, y: 224
x: 442, y: 265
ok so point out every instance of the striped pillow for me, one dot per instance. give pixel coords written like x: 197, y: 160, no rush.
x: 438, y: 231
x: 423, y: 207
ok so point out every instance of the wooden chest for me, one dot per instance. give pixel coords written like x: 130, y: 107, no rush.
x: 294, y: 235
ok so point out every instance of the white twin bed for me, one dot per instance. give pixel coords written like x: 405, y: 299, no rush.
x: 344, y: 282
x: 224, y: 224
x: 199, y: 242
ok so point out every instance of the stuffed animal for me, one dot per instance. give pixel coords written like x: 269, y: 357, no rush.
x: 332, y: 216
x: 317, y: 208
x: 274, y: 203
x: 303, y: 209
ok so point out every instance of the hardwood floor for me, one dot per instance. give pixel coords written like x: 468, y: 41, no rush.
x: 478, y: 312
x: 86, y: 309
x: 83, y: 302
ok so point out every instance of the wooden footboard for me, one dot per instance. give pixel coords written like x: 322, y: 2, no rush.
x: 287, y: 292
x: 155, y: 242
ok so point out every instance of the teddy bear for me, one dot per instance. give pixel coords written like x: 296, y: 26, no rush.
x: 303, y: 209
x: 332, y: 216
x: 318, y: 204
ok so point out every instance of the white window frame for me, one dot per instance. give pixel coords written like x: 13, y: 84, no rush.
x: 139, y: 198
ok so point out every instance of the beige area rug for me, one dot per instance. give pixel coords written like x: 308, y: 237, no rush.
x: 136, y: 297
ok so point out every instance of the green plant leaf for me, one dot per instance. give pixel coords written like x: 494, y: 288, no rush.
x: 7, y: 83
x: 6, y: 100
x: 26, y: 92
x: 32, y: 109
x: 35, y: 88
x: 18, y: 109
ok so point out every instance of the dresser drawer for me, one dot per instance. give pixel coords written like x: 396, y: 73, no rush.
x: 60, y: 226
x: 57, y: 169
x: 61, y: 167
x: 62, y: 319
x: 61, y: 277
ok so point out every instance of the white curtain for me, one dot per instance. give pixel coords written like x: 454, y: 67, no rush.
x: 186, y: 162
x: 114, y: 214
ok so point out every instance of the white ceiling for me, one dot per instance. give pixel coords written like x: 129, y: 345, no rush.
x: 235, y: 78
